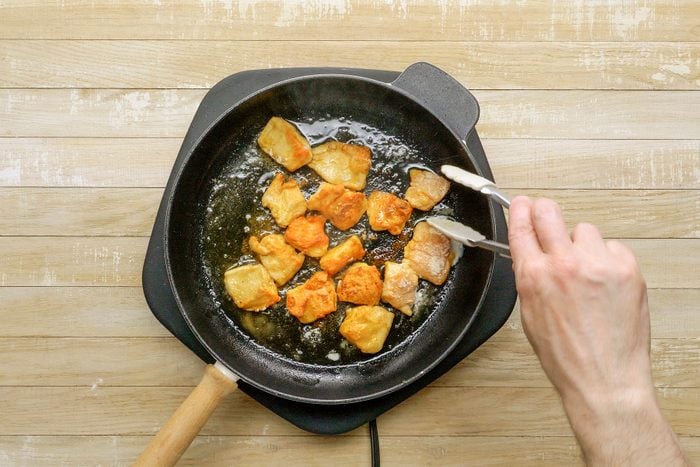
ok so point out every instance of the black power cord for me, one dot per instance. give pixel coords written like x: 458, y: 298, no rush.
x: 374, y: 442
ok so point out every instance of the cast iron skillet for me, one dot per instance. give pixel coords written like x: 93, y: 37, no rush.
x: 395, y: 110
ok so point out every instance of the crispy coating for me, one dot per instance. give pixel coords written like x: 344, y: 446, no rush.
x: 307, y: 234
x: 426, y: 190
x: 341, y: 206
x: 312, y: 300
x: 280, y: 259
x: 284, y: 200
x: 400, y: 285
x: 342, y: 164
x: 429, y: 254
x: 251, y: 287
x: 339, y: 256
x: 361, y: 285
x: 366, y: 327
x: 387, y: 212
x: 285, y: 144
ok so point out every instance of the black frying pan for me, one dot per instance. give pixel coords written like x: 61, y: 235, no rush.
x: 399, y: 109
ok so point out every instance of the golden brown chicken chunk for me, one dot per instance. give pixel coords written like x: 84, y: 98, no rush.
x: 280, y: 259
x: 361, y: 285
x: 342, y: 164
x: 387, y: 212
x: 284, y: 200
x: 400, y: 285
x: 366, y: 327
x: 340, y: 256
x: 251, y: 287
x: 426, y: 190
x: 429, y: 254
x: 341, y: 206
x: 314, y: 299
x: 307, y: 235
x: 285, y: 144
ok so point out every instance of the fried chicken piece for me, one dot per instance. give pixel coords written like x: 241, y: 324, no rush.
x: 251, y: 287
x: 341, y: 206
x: 426, y: 190
x: 314, y: 299
x: 307, y: 235
x: 339, y: 256
x: 342, y: 164
x: 361, y: 285
x: 284, y: 200
x: 387, y: 212
x: 400, y: 285
x: 366, y: 327
x: 280, y: 259
x: 429, y: 254
x: 285, y: 144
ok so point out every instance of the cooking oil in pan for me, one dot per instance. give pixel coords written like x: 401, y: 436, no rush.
x: 234, y: 213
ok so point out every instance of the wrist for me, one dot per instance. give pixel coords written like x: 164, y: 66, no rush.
x: 619, y: 427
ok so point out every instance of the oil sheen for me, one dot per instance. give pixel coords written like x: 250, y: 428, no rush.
x: 234, y: 212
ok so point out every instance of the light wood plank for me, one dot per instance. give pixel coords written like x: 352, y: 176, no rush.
x: 674, y: 314
x: 87, y: 162
x: 438, y: 411
x: 109, y: 261
x: 122, y: 312
x: 522, y: 163
x: 71, y: 261
x: 131, y: 211
x: 504, y: 114
x: 78, y: 211
x: 500, y: 362
x: 309, y: 450
x: 352, y: 20
x: 479, y: 65
x: 597, y: 164
x: 77, y: 312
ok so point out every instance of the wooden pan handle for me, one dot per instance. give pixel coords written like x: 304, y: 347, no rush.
x: 176, y: 435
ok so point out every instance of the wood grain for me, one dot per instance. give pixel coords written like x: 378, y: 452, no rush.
x: 521, y: 163
x: 423, y: 20
x: 463, y: 411
x: 501, y: 362
x: 131, y: 211
x: 505, y: 114
x: 479, y: 65
x: 110, y: 261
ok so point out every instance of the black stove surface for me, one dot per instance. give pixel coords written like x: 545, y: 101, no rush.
x: 322, y: 419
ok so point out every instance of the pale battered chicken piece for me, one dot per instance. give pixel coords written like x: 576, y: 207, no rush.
x: 341, y: 206
x: 429, y: 253
x: 251, y: 287
x: 366, y: 327
x: 342, y: 164
x: 284, y: 200
x: 387, y: 212
x: 285, y: 144
x: 314, y: 299
x: 361, y: 284
x: 400, y: 285
x: 307, y: 235
x: 426, y: 190
x: 280, y: 259
x: 339, y: 256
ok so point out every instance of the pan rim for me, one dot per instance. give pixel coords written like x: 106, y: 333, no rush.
x: 252, y: 379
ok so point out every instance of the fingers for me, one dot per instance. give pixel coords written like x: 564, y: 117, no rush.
x: 588, y: 237
x: 550, y: 227
x: 521, y: 233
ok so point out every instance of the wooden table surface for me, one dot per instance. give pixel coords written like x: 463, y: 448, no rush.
x: 594, y: 104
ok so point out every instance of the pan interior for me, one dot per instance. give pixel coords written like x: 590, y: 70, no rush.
x: 216, y: 204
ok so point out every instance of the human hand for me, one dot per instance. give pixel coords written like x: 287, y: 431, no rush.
x: 583, y: 306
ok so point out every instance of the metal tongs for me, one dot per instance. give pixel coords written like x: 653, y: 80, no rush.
x: 465, y: 234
